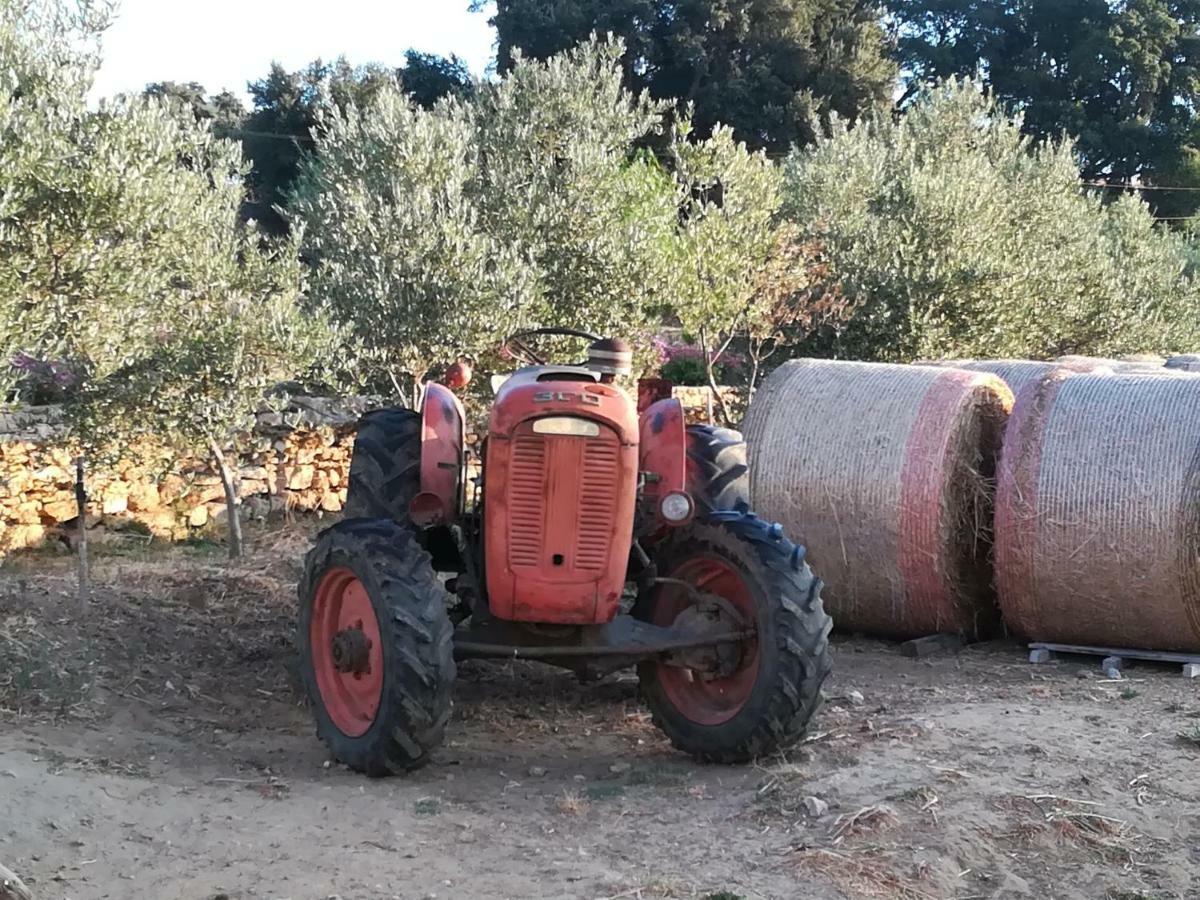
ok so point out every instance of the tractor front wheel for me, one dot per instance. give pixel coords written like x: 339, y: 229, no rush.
x: 757, y: 696
x: 375, y: 642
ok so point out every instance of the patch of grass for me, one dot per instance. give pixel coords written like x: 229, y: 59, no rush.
x: 604, y: 791
x: 1191, y: 736
x: 1128, y: 693
x: 572, y: 803
x: 427, y: 806
x: 200, y: 545
x: 39, y: 673
x: 664, y: 774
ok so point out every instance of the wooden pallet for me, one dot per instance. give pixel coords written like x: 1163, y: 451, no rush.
x: 1114, y: 657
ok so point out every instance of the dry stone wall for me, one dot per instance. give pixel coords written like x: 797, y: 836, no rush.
x: 296, y: 459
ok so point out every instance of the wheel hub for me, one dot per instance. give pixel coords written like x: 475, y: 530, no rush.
x: 711, y: 614
x: 351, y: 650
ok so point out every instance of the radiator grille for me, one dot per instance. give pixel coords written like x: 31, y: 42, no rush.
x: 597, y: 497
x: 585, y: 471
x: 526, y: 500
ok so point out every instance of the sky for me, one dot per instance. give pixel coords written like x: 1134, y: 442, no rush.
x: 222, y: 44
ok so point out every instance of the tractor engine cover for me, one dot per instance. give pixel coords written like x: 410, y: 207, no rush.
x: 559, y: 497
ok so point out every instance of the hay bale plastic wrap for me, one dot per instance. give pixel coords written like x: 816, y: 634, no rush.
x: 1098, y: 512
x: 883, y: 473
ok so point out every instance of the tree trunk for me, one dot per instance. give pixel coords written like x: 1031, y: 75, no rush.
x: 82, y: 549
x: 235, y: 524
x: 12, y: 887
x: 710, y: 371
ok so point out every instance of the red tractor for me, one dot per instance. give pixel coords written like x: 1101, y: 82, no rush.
x: 593, y: 539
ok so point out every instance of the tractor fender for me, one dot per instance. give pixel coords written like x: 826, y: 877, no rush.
x: 443, y: 434
x: 663, y: 448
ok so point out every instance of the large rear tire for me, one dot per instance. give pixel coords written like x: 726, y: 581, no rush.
x: 376, y: 651
x: 717, y: 473
x: 385, y: 470
x: 766, y: 696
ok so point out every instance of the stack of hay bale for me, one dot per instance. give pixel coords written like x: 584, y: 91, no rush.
x: 882, y: 472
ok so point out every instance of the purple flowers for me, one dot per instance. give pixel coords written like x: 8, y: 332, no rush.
x: 45, y: 380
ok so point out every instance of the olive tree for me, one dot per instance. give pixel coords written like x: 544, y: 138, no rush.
x: 565, y: 179
x: 125, y: 255
x: 432, y: 233
x: 399, y: 250
x: 953, y: 234
x: 48, y: 51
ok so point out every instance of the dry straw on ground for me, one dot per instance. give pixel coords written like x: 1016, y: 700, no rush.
x: 1098, y: 511
x: 884, y: 473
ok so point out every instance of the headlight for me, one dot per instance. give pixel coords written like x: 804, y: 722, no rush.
x: 566, y: 425
x: 676, y: 507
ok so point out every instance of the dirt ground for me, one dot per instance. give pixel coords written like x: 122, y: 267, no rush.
x: 155, y: 746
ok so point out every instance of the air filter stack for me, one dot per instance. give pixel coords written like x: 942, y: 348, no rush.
x: 883, y: 473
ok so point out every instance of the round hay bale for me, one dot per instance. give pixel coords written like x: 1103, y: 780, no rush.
x: 1016, y: 373
x: 1098, y: 512
x: 1153, y: 360
x: 883, y: 473
x: 1096, y: 364
x: 1184, y: 362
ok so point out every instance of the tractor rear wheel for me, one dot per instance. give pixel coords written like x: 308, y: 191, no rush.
x: 385, y: 470
x: 765, y: 689
x: 717, y: 473
x: 375, y: 641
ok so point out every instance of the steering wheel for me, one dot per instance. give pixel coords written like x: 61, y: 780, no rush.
x: 516, y: 345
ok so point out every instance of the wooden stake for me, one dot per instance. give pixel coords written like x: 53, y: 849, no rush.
x: 81, y: 507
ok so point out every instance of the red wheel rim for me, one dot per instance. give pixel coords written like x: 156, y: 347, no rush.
x: 347, y: 653
x: 716, y: 700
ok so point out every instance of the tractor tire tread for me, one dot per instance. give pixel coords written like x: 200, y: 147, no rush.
x: 385, y: 468
x: 778, y: 717
x: 718, y: 474
x: 410, y: 606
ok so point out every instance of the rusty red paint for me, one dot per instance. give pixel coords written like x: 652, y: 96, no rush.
x: 442, y: 438
x: 350, y: 697
x: 664, y: 448
x: 650, y: 391
x: 559, y: 508
x: 708, y: 700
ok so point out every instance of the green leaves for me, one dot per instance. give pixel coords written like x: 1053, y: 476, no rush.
x: 955, y: 235
x: 123, y: 251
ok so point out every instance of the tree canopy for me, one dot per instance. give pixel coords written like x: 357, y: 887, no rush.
x: 954, y: 234
x: 1122, y: 79
x: 772, y: 70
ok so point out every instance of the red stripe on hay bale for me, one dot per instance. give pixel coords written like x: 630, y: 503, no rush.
x: 1098, y: 512
x: 882, y: 472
